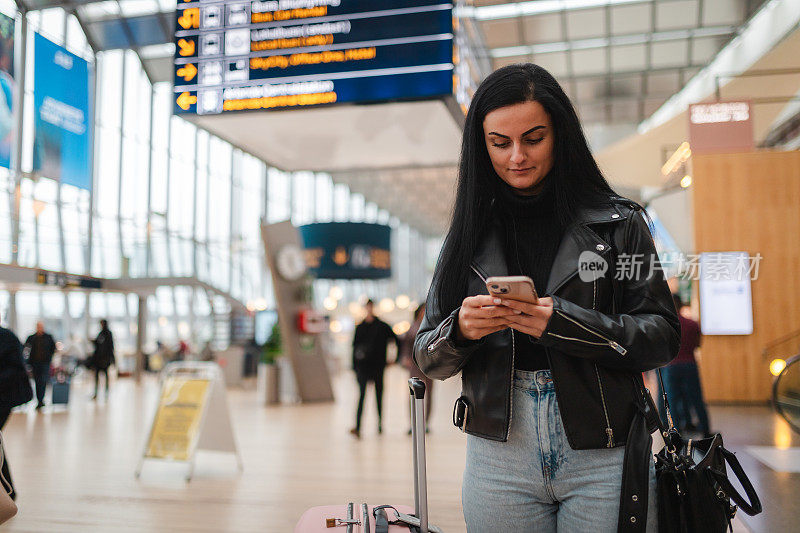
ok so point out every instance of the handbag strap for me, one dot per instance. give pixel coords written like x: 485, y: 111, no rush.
x: 751, y: 507
x: 669, y: 432
x: 670, y: 424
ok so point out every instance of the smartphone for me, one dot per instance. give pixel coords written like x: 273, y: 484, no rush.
x: 518, y: 288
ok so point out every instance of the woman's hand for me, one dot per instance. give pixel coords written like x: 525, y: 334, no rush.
x: 529, y: 318
x: 481, y: 315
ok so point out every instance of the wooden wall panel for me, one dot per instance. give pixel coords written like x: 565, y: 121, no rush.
x: 750, y: 202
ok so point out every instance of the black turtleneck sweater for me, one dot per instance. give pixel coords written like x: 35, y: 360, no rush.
x: 533, y: 234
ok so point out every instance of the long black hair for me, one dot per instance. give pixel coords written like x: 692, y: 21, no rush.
x: 575, y: 178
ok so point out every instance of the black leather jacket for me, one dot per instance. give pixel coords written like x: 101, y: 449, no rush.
x: 597, y: 345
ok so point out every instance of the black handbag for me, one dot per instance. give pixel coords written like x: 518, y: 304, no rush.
x: 692, y: 486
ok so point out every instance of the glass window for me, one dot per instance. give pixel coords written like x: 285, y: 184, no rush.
x: 341, y: 207
x: 278, y: 195
x: 46, y: 225
x: 186, y: 213
x: 6, y: 215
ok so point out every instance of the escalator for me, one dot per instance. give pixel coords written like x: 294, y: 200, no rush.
x: 786, y: 393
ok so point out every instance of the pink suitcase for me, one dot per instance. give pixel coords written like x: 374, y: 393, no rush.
x: 363, y: 518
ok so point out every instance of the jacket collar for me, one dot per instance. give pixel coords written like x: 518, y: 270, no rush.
x: 579, y: 237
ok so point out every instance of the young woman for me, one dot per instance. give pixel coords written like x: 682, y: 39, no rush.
x: 551, y: 393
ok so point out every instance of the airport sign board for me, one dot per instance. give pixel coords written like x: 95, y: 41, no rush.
x: 282, y: 54
x: 721, y: 127
x: 347, y: 250
x: 67, y: 281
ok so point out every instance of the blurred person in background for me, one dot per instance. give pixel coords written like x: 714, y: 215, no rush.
x: 103, y: 356
x: 15, y: 388
x: 252, y: 355
x: 405, y: 355
x: 369, y: 360
x: 682, y: 378
x: 207, y: 353
x: 183, y: 350
x: 40, y: 348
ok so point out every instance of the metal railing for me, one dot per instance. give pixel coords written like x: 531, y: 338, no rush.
x: 786, y: 393
x: 782, y: 347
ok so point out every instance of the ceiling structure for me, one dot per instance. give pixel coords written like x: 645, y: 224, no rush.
x: 399, y: 155
x: 618, y: 60
x: 344, y: 137
x: 769, y: 83
x: 420, y: 197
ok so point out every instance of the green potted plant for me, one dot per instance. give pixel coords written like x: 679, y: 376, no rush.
x: 268, y: 369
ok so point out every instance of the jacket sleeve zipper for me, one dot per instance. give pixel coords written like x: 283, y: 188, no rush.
x: 613, y: 344
x: 441, y: 338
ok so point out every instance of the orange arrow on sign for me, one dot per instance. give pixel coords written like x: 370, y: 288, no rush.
x: 188, y: 72
x: 185, y: 100
x: 187, y: 47
x: 190, y: 18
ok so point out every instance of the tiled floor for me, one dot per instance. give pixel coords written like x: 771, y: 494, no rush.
x: 74, y: 468
x: 779, y: 491
x: 785, y: 460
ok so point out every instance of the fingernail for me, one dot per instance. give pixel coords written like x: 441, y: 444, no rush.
x: 517, y: 312
x: 496, y: 300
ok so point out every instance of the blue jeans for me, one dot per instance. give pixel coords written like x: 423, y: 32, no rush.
x: 535, y: 482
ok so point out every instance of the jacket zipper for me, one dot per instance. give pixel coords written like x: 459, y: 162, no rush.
x: 609, y: 430
x: 478, y: 273
x: 511, y: 386
x: 511, y: 374
x: 613, y: 344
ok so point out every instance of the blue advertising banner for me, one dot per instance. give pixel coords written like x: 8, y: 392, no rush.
x: 7, y: 89
x: 348, y: 250
x: 62, y: 142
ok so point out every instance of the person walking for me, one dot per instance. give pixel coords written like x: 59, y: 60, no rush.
x: 369, y: 360
x: 405, y: 355
x: 15, y: 388
x: 103, y: 356
x: 40, y: 347
x: 552, y: 393
x: 682, y: 379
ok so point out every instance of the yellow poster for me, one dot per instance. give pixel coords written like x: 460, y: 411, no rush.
x: 177, y: 423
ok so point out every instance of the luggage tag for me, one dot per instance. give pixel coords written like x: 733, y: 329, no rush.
x: 337, y: 522
x: 349, y: 521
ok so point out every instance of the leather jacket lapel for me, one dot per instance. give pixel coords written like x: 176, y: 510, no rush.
x: 490, y: 259
x: 577, y: 239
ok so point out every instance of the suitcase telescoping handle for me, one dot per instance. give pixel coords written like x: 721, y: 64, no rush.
x: 350, y: 517
x: 417, y: 389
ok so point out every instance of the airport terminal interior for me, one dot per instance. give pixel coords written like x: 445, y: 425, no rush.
x: 207, y: 205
